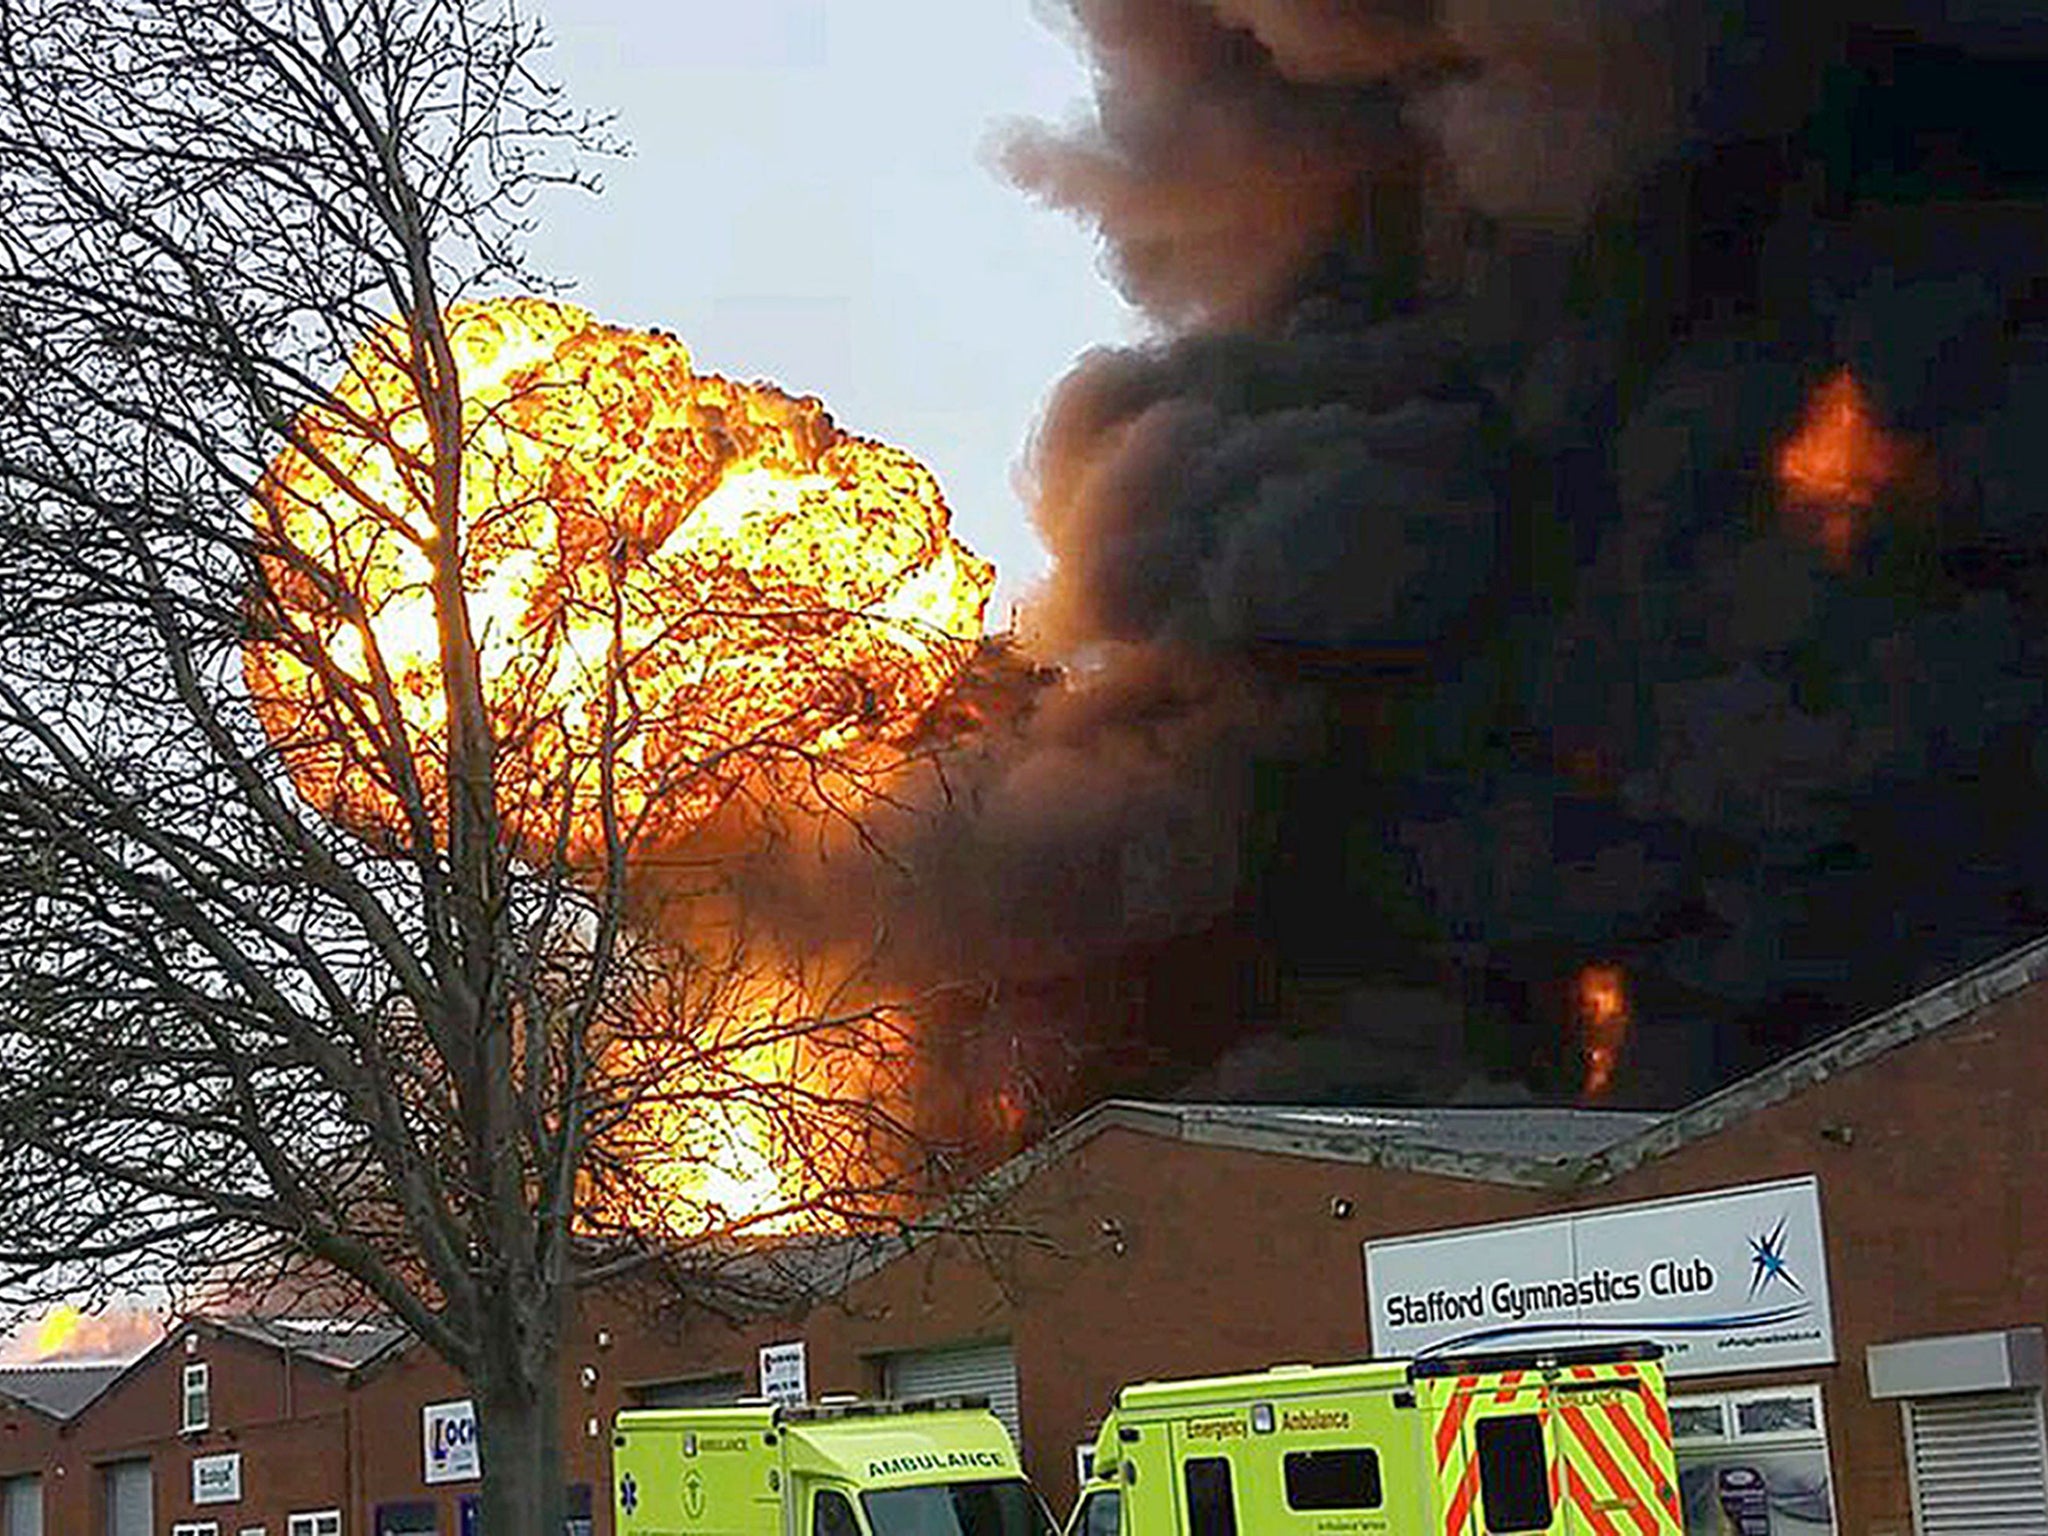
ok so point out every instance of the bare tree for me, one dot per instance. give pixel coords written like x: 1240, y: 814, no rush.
x: 316, y: 958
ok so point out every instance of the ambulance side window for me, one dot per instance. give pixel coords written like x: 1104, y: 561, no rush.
x: 1335, y: 1479
x: 1210, y: 1509
x: 1101, y: 1516
x: 1514, y: 1481
x: 832, y: 1515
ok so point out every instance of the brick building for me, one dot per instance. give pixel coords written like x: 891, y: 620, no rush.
x: 1150, y: 1239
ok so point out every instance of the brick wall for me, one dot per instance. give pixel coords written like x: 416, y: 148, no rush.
x: 1137, y: 1255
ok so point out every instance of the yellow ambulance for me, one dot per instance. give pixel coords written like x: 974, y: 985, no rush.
x: 840, y: 1467
x: 1565, y: 1442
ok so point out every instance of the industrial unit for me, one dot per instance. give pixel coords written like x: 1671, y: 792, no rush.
x: 1841, y: 1257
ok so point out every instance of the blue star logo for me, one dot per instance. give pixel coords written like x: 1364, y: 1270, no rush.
x: 629, y: 1494
x: 1767, y: 1261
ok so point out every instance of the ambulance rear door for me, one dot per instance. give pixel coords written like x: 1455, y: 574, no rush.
x: 1495, y: 1453
x: 1613, y: 1434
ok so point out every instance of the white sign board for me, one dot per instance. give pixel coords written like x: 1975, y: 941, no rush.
x: 217, y: 1479
x: 1729, y: 1280
x: 782, y: 1373
x: 449, y: 1433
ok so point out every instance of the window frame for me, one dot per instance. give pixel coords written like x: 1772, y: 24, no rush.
x: 1498, y: 1424
x: 195, y: 1528
x: 1731, y: 1405
x: 1377, y: 1481
x: 305, y: 1522
x: 1188, y: 1463
x: 818, y: 1498
x: 195, y: 1384
x: 1093, y: 1498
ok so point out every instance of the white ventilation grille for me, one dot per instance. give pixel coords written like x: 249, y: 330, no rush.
x: 1979, y: 1464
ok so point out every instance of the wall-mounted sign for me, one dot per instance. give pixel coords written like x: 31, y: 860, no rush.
x: 1728, y: 1280
x: 217, y: 1479
x: 449, y: 1433
x: 408, y: 1519
x: 782, y: 1373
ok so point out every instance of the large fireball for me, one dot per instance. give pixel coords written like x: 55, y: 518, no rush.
x: 689, y: 584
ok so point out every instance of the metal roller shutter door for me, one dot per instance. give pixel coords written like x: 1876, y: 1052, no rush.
x: 21, y: 1506
x: 130, y: 1507
x: 1979, y: 1465
x: 691, y: 1392
x: 989, y: 1370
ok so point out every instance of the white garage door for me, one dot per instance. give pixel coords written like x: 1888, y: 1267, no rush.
x: 989, y: 1370
x: 21, y: 1506
x: 1979, y: 1465
x: 130, y: 1511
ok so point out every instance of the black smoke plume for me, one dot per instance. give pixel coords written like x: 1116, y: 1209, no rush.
x: 1431, y: 621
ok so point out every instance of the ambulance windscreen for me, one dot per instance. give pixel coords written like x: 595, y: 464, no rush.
x: 1006, y: 1507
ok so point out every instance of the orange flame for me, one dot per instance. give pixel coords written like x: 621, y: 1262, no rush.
x: 1834, y: 468
x: 680, y: 587
x: 678, y: 584
x: 1604, y: 1019
x: 66, y: 1333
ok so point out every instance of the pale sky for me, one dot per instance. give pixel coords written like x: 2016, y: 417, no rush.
x: 811, y: 199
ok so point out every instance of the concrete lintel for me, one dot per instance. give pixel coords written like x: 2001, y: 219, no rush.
x: 2002, y: 1360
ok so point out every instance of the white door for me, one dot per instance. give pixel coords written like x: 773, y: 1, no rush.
x: 1979, y: 1464
x: 21, y: 1506
x: 130, y: 1508
x: 986, y: 1370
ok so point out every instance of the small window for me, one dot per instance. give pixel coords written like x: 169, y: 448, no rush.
x: 1790, y: 1414
x: 196, y: 1528
x: 1347, y: 1478
x: 1211, y: 1511
x: 1514, y: 1481
x: 832, y: 1515
x: 415, y: 1517
x: 197, y: 1410
x: 1099, y: 1516
x: 317, y: 1522
x: 1704, y: 1420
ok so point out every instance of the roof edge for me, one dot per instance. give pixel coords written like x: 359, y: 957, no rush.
x: 1925, y: 1013
x: 1364, y: 1148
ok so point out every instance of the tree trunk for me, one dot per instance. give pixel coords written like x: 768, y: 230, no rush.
x: 519, y: 1429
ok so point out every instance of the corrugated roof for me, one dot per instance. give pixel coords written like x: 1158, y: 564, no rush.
x: 339, y: 1343
x: 1539, y: 1147
x: 1521, y: 1132
x: 59, y: 1389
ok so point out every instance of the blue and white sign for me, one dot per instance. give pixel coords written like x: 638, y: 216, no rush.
x: 449, y: 1433
x: 783, y: 1378
x: 1728, y: 1280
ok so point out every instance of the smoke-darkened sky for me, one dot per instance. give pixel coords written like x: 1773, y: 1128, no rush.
x: 1431, y: 606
